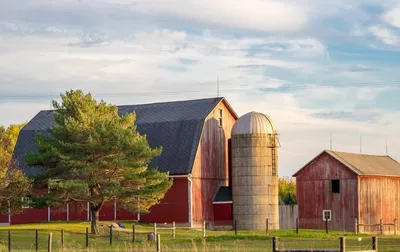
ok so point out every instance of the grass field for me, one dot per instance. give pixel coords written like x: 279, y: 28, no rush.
x: 23, y: 239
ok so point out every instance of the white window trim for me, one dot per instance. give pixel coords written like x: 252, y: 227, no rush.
x: 323, y: 215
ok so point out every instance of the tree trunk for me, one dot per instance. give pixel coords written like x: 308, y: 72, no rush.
x: 95, y: 218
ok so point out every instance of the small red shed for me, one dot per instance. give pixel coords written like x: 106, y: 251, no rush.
x: 352, y: 188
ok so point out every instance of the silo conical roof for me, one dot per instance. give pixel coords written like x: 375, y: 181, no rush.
x: 253, y: 123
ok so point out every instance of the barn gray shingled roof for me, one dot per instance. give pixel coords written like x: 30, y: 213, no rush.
x: 176, y: 126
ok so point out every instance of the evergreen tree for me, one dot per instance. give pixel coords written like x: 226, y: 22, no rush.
x: 13, y: 183
x: 92, y: 154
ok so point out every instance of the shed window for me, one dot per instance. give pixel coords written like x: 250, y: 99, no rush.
x: 336, y: 186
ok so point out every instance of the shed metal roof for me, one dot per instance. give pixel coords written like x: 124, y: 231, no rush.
x: 176, y: 126
x: 364, y: 164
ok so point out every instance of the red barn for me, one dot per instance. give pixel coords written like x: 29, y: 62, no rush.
x: 349, y: 187
x: 194, y: 135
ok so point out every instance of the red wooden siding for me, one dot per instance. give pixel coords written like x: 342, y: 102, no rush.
x: 222, y: 214
x: 78, y: 211
x: 173, y: 207
x: 3, y: 218
x: 107, y: 212
x: 210, y: 170
x: 58, y: 214
x: 30, y: 215
x: 378, y: 197
x: 314, y: 194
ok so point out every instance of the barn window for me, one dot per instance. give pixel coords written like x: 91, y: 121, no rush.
x: 336, y: 186
x: 220, y: 117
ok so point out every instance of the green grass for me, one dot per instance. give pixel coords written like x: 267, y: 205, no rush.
x: 23, y: 239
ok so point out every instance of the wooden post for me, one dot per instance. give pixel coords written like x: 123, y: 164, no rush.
x: 50, y: 242
x: 87, y: 237
x: 158, y: 243
x: 395, y: 226
x: 266, y: 225
x: 235, y: 227
x: 381, y: 226
x: 342, y: 244
x: 62, y: 238
x: 155, y: 230
x: 297, y: 225
x: 9, y: 240
x: 36, y: 240
x: 204, y: 229
x: 274, y: 243
x: 355, y: 225
x: 326, y: 225
x: 375, y: 243
x: 133, y: 233
x: 111, y: 234
x: 173, y: 230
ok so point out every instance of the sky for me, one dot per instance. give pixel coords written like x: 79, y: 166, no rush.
x: 318, y: 68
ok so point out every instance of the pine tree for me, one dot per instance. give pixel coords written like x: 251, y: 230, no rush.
x: 92, y: 154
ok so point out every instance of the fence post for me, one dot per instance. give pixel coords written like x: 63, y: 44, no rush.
x: 297, y: 225
x: 158, y: 243
x: 133, y: 233
x: 62, y: 238
x: 87, y: 237
x: 36, y: 240
x: 9, y: 240
x: 204, y: 229
x: 235, y: 227
x: 50, y: 242
x: 173, y: 230
x: 342, y: 244
x: 155, y: 230
x: 395, y: 226
x: 375, y: 243
x: 266, y: 225
x: 111, y: 234
x: 381, y: 226
x: 355, y: 225
x: 326, y: 225
x: 274, y: 243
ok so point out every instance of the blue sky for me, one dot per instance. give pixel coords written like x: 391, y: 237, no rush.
x: 315, y: 67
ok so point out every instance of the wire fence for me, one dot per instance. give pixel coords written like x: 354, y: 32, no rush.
x: 185, y: 240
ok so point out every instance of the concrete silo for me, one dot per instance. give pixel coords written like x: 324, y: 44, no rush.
x: 255, y: 172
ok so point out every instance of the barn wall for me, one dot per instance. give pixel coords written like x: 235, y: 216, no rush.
x: 58, y: 214
x: 107, y: 212
x: 30, y: 215
x: 379, y: 200
x: 313, y: 185
x: 3, y: 218
x: 222, y: 214
x: 173, y: 207
x: 210, y: 169
x: 78, y: 211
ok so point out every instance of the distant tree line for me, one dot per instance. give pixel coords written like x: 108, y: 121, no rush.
x: 287, y: 191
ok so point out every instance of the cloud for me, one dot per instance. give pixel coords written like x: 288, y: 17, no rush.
x: 280, y: 58
x: 386, y: 35
x: 393, y: 16
x: 258, y: 15
x: 363, y: 115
